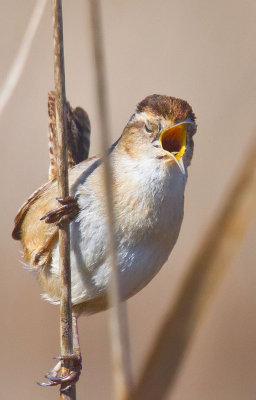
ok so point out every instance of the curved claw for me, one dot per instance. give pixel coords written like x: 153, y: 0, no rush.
x: 67, y: 200
x: 62, y: 379
x: 64, y: 389
x: 65, y: 213
x: 47, y: 383
x: 72, y: 357
x: 55, y: 378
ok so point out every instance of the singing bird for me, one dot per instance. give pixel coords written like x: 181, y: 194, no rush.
x: 149, y: 163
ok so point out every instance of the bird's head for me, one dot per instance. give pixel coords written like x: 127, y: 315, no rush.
x: 162, y: 128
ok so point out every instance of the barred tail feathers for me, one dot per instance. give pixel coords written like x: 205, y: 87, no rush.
x: 78, y: 129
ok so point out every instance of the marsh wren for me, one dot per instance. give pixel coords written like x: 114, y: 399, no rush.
x: 149, y: 163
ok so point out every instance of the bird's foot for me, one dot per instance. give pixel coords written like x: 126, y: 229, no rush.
x: 63, y: 214
x: 54, y: 375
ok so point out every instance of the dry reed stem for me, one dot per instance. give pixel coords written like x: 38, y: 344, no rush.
x: 204, y: 275
x: 66, y: 337
x: 18, y: 65
x: 118, y: 313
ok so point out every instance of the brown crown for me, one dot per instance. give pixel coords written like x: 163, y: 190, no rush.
x: 167, y: 106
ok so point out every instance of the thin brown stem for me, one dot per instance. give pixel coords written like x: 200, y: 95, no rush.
x: 118, y: 314
x: 204, y: 275
x: 66, y: 339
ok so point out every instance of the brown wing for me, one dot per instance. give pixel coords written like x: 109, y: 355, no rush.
x: 36, y: 236
x: 78, y: 130
x: 16, y: 233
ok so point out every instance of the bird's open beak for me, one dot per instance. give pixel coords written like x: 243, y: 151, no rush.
x: 173, y: 141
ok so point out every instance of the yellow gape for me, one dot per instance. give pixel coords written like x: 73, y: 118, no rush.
x: 173, y: 139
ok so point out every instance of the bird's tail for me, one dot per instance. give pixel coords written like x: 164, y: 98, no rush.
x: 78, y: 132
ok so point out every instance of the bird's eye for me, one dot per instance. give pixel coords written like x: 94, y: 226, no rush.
x: 148, y: 127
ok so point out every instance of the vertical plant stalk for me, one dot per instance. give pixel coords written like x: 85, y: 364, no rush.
x: 204, y: 275
x: 66, y: 338
x: 118, y: 313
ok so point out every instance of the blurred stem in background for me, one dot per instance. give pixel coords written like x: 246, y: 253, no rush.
x: 205, y: 273
x: 22, y: 55
x: 118, y: 313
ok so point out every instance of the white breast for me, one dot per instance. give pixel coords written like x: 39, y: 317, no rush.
x: 148, y: 207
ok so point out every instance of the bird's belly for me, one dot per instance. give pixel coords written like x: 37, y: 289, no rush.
x: 144, y: 261
x: 138, y: 263
x: 142, y: 248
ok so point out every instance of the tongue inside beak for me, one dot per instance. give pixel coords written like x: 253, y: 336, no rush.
x: 173, y: 140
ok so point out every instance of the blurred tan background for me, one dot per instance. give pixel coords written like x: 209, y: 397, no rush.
x: 198, y: 50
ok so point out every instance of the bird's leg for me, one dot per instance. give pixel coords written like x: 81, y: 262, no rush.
x: 54, y: 376
x: 65, y: 213
x: 76, y: 343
